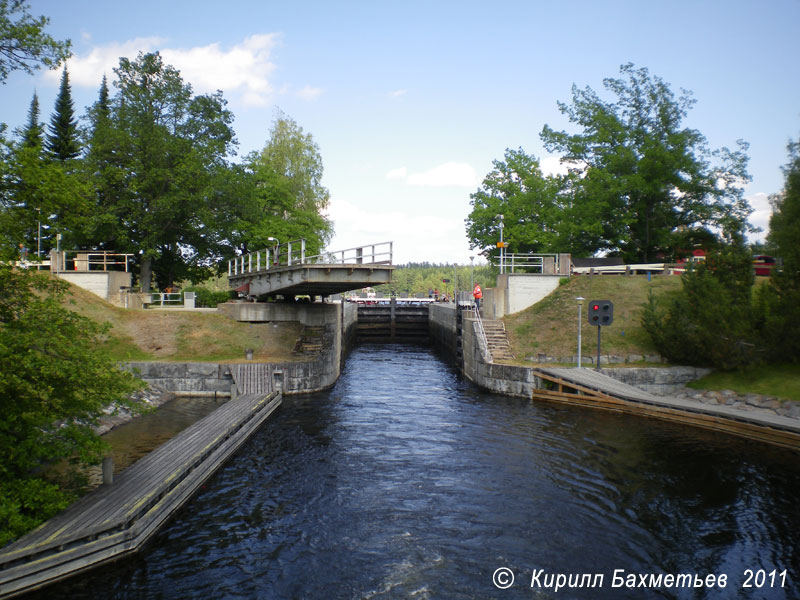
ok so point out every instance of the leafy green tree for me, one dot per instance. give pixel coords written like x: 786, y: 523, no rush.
x: 654, y: 184
x: 710, y: 322
x: 54, y: 381
x: 778, y: 304
x: 287, y: 199
x: 539, y: 213
x: 23, y: 43
x: 62, y: 140
x: 162, y: 187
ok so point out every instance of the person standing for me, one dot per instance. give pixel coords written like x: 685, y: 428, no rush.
x: 477, y: 293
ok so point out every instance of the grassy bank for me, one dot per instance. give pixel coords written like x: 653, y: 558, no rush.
x: 185, y: 336
x: 551, y: 326
x: 769, y: 380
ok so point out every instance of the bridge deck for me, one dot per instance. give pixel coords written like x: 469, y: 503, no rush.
x: 287, y: 270
x: 312, y: 280
x: 586, y: 387
x: 117, y: 519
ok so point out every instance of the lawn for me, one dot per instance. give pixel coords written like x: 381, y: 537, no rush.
x: 551, y: 326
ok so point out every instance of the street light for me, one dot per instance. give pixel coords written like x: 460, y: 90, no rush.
x: 472, y: 273
x: 275, y: 258
x: 580, y: 300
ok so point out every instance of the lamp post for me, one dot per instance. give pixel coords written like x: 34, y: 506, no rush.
x: 580, y: 300
x: 472, y: 273
x: 502, y: 247
x: 276, y: 257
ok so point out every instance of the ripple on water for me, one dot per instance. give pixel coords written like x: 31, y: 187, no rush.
x: 404, y: 481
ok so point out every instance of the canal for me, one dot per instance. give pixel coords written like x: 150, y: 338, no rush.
x: 405, y: 481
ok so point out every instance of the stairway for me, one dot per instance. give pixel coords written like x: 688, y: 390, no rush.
x: 497, y: 340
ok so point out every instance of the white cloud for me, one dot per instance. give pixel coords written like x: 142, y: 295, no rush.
x: 400, y: 173
x: 243, y: 69
x: 416, y: 237
x: 309, y: 93
x: 397, y: 93
x: 88, y: 70
x: 762, y: 210
x: 553, y: 165
x: 450, y: 174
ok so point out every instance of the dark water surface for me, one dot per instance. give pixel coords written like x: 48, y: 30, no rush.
x: 404, y: 481
x: 131, y: 441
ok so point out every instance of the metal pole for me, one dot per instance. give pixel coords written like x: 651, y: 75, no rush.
x: 597, y: 366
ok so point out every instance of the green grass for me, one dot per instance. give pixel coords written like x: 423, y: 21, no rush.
x: 154, y: 335
x: 551, y: 326
x: 782, y: 381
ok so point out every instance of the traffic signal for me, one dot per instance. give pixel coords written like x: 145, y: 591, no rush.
x: 601, y: 312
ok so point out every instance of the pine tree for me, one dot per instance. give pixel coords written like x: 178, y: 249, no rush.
x: 32, y: 134
x: 62, y: 141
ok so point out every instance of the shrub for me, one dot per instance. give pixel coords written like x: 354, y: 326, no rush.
x: 206, y: 298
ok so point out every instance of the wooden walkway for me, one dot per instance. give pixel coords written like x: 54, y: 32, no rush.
x: 586, y: 387
x: 117, y: 519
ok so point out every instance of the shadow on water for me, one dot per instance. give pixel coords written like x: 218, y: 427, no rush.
x: 405, y: 481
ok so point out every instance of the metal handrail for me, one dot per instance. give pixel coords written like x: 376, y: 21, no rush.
x: 529, y: 261
x: 294, y: 253
x: 483, y: 342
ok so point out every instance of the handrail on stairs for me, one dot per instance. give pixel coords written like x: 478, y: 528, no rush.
x: 483, y: 342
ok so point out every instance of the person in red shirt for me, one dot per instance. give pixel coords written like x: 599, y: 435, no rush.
x: 477, y: 293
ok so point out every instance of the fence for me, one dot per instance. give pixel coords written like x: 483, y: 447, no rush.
x: 82, y: 260
x: 294, y: 254
x: 544, y: 264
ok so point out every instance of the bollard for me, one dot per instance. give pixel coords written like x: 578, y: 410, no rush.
x: 108, y: 470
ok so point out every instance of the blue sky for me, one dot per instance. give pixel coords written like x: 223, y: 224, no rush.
x: 410, y: 102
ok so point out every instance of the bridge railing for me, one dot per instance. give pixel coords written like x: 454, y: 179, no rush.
x: 294, y: 253
x: 373, y: 254
x: 536, y: 263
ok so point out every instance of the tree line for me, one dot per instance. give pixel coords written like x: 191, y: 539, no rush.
x: 638, y: 183
x: 641, y: 185
x: 150, y: 173
x: 146, y: 171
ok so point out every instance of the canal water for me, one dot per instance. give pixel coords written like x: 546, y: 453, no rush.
x: 405, y: 481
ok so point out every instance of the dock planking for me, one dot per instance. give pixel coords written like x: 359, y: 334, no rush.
x: 586, y: 387
x: 118, y: 519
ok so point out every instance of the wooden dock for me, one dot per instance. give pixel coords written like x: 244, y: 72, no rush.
x: 586, y: 387
x: 117, y: 519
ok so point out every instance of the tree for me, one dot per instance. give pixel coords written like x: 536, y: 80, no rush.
x: 539, y: 213
x: 41, y: 197
x: 170, y: 149
x: 778, y: 304
x: 23, y: 43
x: 286, y: 199
x: 655, y: 184
x: 32, y: 133
x: 54, y: 381
x: 62, y: 141
x: 711, y: 321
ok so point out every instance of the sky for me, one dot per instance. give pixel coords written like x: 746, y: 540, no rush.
x: 410, y: 102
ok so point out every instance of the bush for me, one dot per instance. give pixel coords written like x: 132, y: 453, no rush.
x: 710, y: 322
x: 206, y: 298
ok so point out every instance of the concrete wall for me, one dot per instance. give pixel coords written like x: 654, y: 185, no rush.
x: 104, y: 284
x: 311, y: 314
x: 184, y: 377
x: 657, y: 380
x: 443, y: 329
x: 523, y: 290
